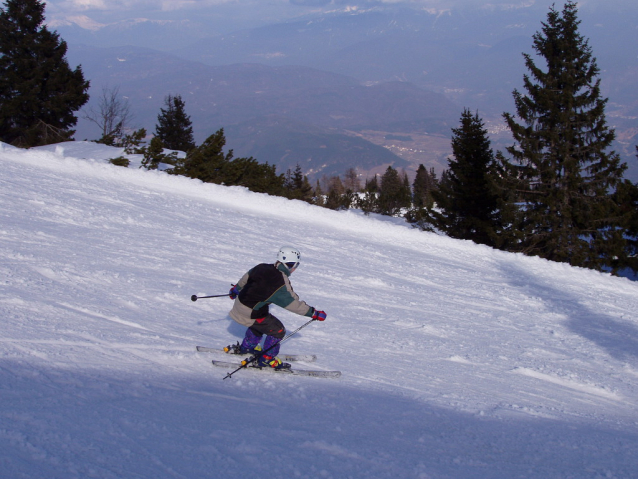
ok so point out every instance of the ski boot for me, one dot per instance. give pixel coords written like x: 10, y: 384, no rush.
x: 239, y: 349
x: 266, y: 361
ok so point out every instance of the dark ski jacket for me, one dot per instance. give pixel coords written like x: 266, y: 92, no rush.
x: 262, y: 286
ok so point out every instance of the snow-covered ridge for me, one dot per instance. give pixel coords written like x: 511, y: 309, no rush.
x: 457, y: 360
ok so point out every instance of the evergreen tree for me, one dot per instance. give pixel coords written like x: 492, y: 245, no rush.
x: 257, y: 177
x: 319, y: 197
x: 372, y: 185
x: 422, y: 200
x: 209, y: 164
x: 307, y: 194
x: 297, y: 187
x: 406, y: 189
x: 559, y: 166
x: 302, y: 185
x: 394, y: 193
x: 289, y: 183
x: 336, y: 198
x: 39, y: 93
x: 174, y: 126
x: 154, y: 155
x: 298, y: 178
x: 626, y: 196
x: 369, y: 202
x: 467, y: 205
x: 207, y: 161
x: 132, y: 142
x: 424, y: 184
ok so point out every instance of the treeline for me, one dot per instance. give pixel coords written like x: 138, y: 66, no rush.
x: 557, y: 192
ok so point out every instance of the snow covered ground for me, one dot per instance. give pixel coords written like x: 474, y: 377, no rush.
x: 458, y: 361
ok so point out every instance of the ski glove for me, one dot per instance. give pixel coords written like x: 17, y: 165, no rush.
x: 319, y: 315
x: 234, y: 291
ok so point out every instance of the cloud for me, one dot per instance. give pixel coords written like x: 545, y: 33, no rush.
x: 165, y: 5
x: 423, y: 4
x: 311, y: 3
x: 430, y: 3
x: 85, y: 4
x: 170, y: 5
x: 271, y: 9
x: 81, y: 20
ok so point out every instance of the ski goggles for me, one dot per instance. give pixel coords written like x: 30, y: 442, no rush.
x: 292, y: 266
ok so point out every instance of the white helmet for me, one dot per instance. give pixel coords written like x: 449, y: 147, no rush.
x: 289, y: 256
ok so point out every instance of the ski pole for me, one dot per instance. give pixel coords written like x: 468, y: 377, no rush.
x: 246, y: 362
x: 195, y: 297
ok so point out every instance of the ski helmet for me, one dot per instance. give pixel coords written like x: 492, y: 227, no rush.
x: 289, y: 256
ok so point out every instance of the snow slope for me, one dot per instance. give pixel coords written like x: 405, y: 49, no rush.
x: 458, y: 361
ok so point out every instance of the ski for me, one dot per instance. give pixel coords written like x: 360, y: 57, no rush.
x: 284, y: 357
x: 294, y: 372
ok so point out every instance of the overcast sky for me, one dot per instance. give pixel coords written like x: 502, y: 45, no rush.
x: 215, y: 17
x: 172, y: 5
x: 270, y: 9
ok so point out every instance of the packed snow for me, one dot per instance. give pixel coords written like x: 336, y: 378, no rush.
x: 457, y: 361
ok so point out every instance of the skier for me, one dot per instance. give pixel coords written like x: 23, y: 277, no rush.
x: 263, y: 285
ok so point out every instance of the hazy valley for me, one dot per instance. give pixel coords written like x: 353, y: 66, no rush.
x: 331, y: 91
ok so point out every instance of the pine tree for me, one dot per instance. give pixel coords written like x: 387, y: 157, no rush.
x: 209, y: 164
x: 394, y: 193
x: 319, y: 197
x: 369, y: 201
x: 154, y: 155
x: 559, y: 166
x: 257, y: 177
x: 424, y: 184
x: 297, y: 187
x: 174, y: 126
x: 39, y: 93
x: 302, y: 185
x: 626, y: 196
x: 467, y: 204
x: 336, y: 198
x: 132, y: 142
x: 207, y: 161
x: 433, y: 183
x: 372, y: 185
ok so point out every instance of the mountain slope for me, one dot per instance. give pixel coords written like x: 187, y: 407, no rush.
x: 474, y: 51
x: 223, y: 96
x: 471, y: 53
x: 457, y: 360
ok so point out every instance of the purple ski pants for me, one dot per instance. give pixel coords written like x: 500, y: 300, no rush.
x: 269, y: 326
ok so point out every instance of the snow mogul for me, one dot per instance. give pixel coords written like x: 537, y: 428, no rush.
x: 263, y: 285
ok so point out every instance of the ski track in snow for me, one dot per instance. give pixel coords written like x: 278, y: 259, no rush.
x: 458, y: 361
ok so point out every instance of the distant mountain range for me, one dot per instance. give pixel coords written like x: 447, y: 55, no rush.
x: 325, y: 109
x: 355, y: 74
x: 317, y: 150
